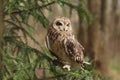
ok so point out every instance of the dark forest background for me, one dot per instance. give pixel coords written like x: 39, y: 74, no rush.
x: 23, y: 26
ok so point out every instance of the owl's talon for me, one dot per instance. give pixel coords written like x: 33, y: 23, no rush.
x: 67, y: 67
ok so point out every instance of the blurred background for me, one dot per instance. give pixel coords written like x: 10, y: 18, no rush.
x: 96, y: 25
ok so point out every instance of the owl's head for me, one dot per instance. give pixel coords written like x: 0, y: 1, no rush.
x: 62, y: 24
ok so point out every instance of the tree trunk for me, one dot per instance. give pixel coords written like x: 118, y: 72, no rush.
x: 102, y: 56
x: 115, y: 30
x: 96, y: 36
x: 1, y: 34
x: 96, y: 47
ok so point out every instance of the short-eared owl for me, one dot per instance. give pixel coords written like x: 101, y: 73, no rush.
x: 61, y: 41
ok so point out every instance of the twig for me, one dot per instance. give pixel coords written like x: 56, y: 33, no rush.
x: 28, y: 74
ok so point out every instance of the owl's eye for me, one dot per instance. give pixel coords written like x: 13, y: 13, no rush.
x: 58, y: 23
x: 68, y: 24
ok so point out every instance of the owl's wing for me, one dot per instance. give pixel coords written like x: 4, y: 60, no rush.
x: 47, y: 44
x: 74, y: 50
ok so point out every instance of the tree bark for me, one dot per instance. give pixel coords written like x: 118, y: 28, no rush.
x: 115, y: 29
x: 102, y: 56
x: 95, y: 39
x: 97, y: 34
x: 1, y: 34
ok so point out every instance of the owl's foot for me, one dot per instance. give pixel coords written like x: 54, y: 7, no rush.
x: 67, y: 67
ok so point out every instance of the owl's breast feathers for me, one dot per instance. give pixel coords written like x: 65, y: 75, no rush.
x: 53, y: 35
x: 64, y: 46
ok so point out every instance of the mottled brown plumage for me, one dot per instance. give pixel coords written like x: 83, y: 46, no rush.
x: 60, y: 40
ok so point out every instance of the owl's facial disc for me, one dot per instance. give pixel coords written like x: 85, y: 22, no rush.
x: 62, y: 24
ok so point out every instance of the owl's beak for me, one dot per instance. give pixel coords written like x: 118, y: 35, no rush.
x: 65, y: 28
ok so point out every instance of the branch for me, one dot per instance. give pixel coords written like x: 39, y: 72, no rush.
x: 39, y: 7
x: 23, y: 45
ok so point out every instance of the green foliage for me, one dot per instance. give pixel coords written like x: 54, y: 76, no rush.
x: 21, y: 60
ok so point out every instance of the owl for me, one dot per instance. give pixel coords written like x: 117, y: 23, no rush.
x: 60, y: 40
